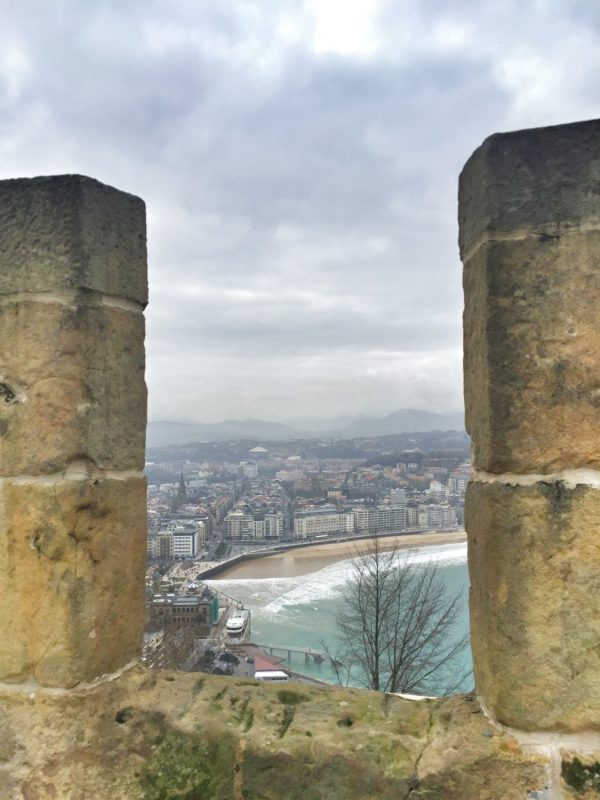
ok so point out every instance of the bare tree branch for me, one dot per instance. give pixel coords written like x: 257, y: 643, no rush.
x: 396, y: 625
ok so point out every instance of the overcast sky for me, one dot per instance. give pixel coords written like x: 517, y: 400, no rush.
x: 299, y: 162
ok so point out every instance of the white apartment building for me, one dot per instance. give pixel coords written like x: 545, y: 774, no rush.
x: 416, y: 517
x: 441, y: 516
x: 387, y: 518
x: 185, y: 544
x: 234, y: 524
x: 241, y: 524
x: 273, y: 525
x: 361, y: 519
x: 380, y: 519
x: 181, y: 539
x: 320, y: 522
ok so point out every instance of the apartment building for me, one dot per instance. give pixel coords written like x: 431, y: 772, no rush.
x: 319, y: 522
x: 240, y: 524
x: 387, y: 518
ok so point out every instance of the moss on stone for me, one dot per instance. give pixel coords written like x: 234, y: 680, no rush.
x: 289, y: 712
x: 185, y: 767
x: 315, y: 776
x: 290, y: 698
x: 580, y: 776
x: 244, y: 716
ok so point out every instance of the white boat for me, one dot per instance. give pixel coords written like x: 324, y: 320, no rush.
x: 238, y: 622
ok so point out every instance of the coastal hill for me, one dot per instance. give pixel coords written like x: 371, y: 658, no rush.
x: 408, y: 420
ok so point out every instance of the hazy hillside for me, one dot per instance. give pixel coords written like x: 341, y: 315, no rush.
x: 167, y: 432
x: 408, y: 420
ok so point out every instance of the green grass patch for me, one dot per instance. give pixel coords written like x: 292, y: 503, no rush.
x: 290, y: 698
x: 189, y: 768
x: 289, y: 712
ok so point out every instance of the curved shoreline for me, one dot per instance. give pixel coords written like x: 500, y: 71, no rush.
x: 295, y: 560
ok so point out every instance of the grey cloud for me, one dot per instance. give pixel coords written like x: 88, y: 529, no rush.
x: 301, y: 204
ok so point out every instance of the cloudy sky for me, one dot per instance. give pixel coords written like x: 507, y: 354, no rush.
x: 299, y: 162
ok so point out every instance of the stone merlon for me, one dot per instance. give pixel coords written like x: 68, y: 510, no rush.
x: 79, y: 718
x: 530, y: 243
x: 72, y: 429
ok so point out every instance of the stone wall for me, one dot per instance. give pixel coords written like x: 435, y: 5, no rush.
x: 152, y: 735
x: 73, y: 288
x: 530, y: 243
x: 73, y: 520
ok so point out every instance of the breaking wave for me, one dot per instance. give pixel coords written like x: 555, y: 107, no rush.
x: 272, y: 595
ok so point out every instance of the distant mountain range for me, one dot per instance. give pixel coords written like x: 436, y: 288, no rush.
x: 407, y: 420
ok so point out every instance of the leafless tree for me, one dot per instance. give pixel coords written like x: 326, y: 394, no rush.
x: 341, y: 664
x: 396, y: 625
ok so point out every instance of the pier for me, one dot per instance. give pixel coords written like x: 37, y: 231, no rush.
x: 318, y: 656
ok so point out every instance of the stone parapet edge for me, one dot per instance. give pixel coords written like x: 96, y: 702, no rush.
x: 32, y: 687
x: 76, y: 471
x: 569, y: 477
x: 550, y: 229
x: 73, y: 298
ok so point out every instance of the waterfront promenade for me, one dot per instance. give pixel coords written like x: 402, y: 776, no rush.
x: 299, y: 559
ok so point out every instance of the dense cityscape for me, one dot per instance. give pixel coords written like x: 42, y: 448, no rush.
x: 211, y: 504
x: 212, y: 509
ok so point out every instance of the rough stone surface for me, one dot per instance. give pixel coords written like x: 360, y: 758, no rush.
x: 545, y: 179
x: 72, y: 559
x: 176, y: 736
x: 73, y: 378
x: 71, y: 232
x: 532, y: 339
x: 534, y: 565
x: 72, y: 430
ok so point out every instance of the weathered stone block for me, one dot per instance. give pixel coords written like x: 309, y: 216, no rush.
x: 545, y: 179
x: 534, y: 564
x: 155, y: 734
x: 73, y: 386
x: 70, y: 232
x: 72, y: 561
x: 531, y: 343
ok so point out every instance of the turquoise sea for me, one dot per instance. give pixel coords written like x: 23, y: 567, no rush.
x: 301, y: 611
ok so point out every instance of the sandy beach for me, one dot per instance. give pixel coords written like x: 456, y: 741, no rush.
x: 301, y: 561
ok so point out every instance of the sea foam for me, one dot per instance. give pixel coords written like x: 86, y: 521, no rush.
x: 272, y: 595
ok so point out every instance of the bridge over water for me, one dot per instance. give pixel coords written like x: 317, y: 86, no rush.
x: 318, y: 656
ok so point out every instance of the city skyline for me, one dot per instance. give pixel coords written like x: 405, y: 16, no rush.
x: 299, y: 162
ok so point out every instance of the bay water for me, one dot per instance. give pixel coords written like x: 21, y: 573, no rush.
x: 301, y: 611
